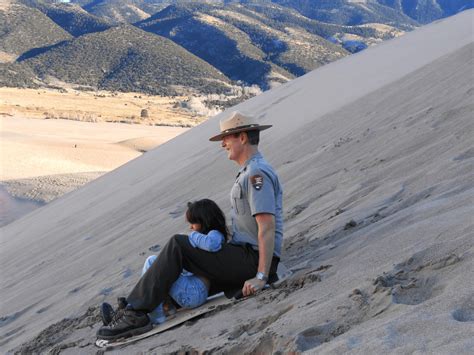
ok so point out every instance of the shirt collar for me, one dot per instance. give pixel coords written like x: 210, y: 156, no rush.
x: 255, y: 156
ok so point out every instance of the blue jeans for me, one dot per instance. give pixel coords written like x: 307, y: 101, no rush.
x: 188, y: 291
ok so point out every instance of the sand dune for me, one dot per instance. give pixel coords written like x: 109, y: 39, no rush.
x: 143, y: 144
x: 376, y: 159
x: 34, y: 147
x: 43, y: 159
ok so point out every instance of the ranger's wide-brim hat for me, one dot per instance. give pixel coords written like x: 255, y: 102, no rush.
x: 237, y: 122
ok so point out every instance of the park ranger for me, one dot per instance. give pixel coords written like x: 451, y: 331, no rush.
x: 245, y: 263
x: 256, y: 196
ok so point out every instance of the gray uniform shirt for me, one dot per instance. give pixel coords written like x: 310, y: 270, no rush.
x: 256, y: 190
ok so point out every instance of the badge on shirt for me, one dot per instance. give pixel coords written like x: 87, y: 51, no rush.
x: 257, y: 181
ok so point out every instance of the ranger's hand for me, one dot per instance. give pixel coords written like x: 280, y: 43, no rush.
x: 252, y: 286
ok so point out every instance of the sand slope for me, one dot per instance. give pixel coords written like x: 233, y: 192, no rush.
x: 375, y: 154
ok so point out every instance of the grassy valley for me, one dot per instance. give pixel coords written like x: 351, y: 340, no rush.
x: 100, y: 106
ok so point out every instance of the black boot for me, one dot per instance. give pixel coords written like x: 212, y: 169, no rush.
x: 125, y: 323
x: 107, y: 313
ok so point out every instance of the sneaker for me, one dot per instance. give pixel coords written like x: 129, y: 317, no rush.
x: 107, y: 313
x: 169, y: 308
x: 163, y: 312
x: 126, y: 323
x: 158, y: 316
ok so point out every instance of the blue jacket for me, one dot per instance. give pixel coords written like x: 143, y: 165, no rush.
x: 210, y: 242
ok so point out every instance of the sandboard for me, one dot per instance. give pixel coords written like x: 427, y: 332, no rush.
x: 181, y: 316
x: 184, y: 315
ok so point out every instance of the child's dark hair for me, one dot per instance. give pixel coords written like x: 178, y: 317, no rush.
x: 208, y: 215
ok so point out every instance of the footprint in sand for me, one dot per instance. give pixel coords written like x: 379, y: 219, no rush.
x: 13, y: 317
x: 412, y: 282
x: 155, y: 248
x: 254, y: 327
x: 106, y: 291
x: 77, y: 289
x: 468, y: 154
x: 317, y: 335
x: 44, y: 309
x: 16, y: 331
x: 465, y: 312
x: 415, y: 280
x: 178, y: 212
x: 295, y: 211
x: 127, y: 273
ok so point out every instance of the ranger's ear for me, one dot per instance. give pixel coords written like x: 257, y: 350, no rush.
x: 244, y: 138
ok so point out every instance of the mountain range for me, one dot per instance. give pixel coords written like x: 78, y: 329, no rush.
x: 72, y: 18
x: 427, y: 11
x: 125, y: 59
x: 120, y: 44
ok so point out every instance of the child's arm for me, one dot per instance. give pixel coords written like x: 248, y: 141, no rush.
x: 210, y: 242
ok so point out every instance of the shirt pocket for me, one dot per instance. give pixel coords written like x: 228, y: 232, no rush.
x: 238, y: 202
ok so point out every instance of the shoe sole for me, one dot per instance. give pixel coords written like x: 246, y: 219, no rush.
x: 128, y: 334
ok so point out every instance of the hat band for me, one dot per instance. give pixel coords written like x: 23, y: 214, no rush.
x: 240, y: 127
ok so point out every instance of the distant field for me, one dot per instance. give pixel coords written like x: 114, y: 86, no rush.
x: 101, y: 106
x: 44, y: 159
x: 53, y: 141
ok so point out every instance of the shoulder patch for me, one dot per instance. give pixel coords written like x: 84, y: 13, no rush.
x: 256, y: 181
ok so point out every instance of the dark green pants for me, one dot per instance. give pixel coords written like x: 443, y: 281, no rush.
x: 227, y: 270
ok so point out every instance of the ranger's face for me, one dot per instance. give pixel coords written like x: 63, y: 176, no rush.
x: 234, y: 146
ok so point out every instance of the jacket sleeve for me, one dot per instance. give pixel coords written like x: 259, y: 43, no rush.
x: 210, y: 242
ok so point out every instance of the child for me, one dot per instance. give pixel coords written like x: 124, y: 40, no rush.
x: 208, y: 232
